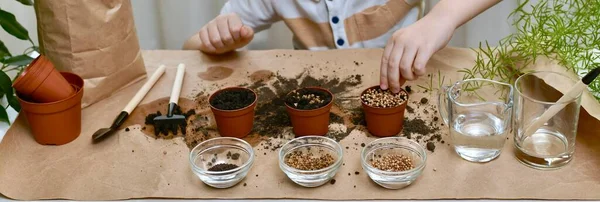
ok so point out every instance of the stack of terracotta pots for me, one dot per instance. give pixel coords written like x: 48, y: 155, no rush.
x: 51, y: 102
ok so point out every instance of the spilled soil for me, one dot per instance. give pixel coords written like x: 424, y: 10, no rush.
x: 272, y: 127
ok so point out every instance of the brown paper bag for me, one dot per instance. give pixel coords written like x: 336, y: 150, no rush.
x: 95, y: 39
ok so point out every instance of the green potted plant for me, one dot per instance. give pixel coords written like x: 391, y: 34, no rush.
x: 13, y: 64
x: 565, y: 31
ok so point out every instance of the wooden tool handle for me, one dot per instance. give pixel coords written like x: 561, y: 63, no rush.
x: 554, y: 109
x: 177, y: 84
x: 144, y: 90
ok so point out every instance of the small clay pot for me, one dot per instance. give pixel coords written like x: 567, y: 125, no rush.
x: 234, y: 123
x: 42, y: 83
x: 59, y: 122
x: 384, y: 122
x: 313, y: 122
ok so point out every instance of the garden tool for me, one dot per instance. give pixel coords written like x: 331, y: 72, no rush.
x: 170, y: 121
x: 571, y: 94
x: 105, y: 132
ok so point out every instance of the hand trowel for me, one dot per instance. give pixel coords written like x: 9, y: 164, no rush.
x: 102, y: 133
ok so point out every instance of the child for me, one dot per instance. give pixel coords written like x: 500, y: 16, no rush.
x: 331, y: 24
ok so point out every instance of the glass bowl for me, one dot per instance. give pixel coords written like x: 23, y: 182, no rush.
x: 316, y: 146
x: 222, y: 150
x: 390, y: 146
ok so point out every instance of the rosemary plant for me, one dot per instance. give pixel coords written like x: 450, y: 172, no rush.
x: 567, y: 31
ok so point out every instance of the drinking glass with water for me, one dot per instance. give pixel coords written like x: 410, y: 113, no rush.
x: 478, y: 113
x: 553, y: 144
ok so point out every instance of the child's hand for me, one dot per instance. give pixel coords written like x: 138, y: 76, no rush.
x: 224, y: 33
x: 409, y: 49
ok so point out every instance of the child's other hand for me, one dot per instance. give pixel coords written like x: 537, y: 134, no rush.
x: 224, y: 33
x: 409, y: 49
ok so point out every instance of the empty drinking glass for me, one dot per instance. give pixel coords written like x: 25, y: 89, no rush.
x: 478, y: 113
x: 552, y: 145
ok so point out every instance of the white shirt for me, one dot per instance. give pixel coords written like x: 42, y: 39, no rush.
x: 329, y: 24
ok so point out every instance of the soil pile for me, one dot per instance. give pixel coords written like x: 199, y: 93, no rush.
x: 233, y: 99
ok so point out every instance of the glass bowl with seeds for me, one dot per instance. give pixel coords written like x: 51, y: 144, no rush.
x: 393, y: 162
x: 310, y: 161
x: 222, y: 162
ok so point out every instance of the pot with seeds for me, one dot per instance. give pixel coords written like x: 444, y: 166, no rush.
x: 308, y: 109
x: 384, y: 110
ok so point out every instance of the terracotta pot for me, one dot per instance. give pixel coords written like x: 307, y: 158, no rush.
x: 313, y: 122
x: 42, y: 83
x: 234, y: 123
x: 384, y: 122
x: 59, y: 122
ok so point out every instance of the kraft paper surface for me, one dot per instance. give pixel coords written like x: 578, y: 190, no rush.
x: 131, y: 164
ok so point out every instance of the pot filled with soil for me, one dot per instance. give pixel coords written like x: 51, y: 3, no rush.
x: 384, y: 110
x: 308, y: 109
x: 233, y: 109
x: 55, y: 123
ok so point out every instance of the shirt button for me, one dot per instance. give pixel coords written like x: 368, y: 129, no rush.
x: 340, y: 42
x: 335, y: 19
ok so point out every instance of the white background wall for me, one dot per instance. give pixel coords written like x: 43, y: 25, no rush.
x: 166, y: 24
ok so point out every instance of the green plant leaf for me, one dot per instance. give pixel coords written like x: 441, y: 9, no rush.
x: 13, y: 102
x: 6, y: 87
x: 19, y: 60
x: 3, y: 50
x: 10, y: 24
x: 4, y: 115
x: 26, y: 2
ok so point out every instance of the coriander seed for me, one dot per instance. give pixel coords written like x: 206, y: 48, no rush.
x: 393, y: 163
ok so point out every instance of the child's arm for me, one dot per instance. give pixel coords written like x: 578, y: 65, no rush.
x: 409, y: 49
x: 234, y: 28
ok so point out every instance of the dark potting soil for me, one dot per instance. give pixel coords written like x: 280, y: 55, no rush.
x: 335, y: 118
x: 308, y: 99
x: 165, y: 129
x: 410, y: 109
x: 431, y: 146
x: 223, y: 167
x: 233, y: 99
x: 408, y: 89
x: 418, y: 126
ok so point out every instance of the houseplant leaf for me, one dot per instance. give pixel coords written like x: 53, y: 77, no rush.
x: 4, y: 115
x: 3, y: 50
x: 19, y: 60
x: 6, y: 87
x: 26, y: 2
x: 9, y: 24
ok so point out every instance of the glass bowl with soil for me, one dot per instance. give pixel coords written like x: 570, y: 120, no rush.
x: 393, y: 162
x: 384, y: 110
x: 234, y: 111
x: 222, y: 162
x: 310, y: 161
x: 308, y: 109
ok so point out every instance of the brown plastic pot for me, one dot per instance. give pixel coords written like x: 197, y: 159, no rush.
x: 42, y: 83
x: 313, y: 122
x: 384, y: 122
x: 59, y: 122
x: 234, y: 123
